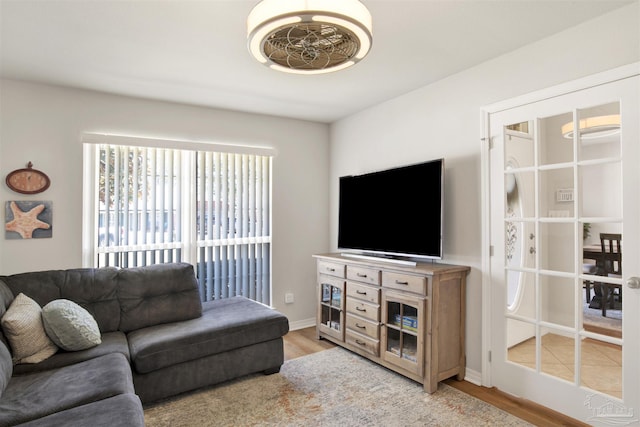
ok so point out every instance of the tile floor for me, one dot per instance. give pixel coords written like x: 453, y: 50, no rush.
x: 601, y: 364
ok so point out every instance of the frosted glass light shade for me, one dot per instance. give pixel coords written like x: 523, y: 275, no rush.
x: 309, y: 36
x: 594, y: 127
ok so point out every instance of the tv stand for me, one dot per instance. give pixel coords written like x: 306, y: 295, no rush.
x: 380, y: 258
x: 410, y: 319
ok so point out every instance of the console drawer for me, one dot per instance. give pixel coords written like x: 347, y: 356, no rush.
x: 331, y: 268
x: 362, y: 326
x: 366, y: 344
x: 363, y: 274
x: 363, y: 292
x: 363, y: 309
x: 405, y: 282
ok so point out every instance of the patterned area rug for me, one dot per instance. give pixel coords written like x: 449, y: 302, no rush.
x: 331, y: 388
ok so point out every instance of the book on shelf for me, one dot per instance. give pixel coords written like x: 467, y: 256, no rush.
x: 407, y: 322
x: 326, y: 293
x: 336, y: 296
x: 407, y: 353
x: 333, y: 324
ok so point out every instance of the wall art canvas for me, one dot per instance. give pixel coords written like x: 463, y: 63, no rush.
x: 28, y: 220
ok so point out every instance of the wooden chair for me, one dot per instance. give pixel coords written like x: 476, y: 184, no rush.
x: 611, y: 266
x: 588, y: 268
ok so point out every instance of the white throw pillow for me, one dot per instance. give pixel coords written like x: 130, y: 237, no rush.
x: 70, y: 326
x: 22, y: 325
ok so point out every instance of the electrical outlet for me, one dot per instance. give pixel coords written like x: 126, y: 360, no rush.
x: 288, y: 298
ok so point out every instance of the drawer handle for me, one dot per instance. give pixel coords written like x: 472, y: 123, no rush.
x: 360, y: 342
x: 359, y: 292
x: 361, y: 275
x: 331, y: 269
x: 400, y: 282
x: 360, y: 326
x: 361, y: 309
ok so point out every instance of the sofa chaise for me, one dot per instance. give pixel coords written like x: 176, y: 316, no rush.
x: 156, y: 340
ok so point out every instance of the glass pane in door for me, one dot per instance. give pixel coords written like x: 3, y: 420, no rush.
x: 557, y: 246
x: 519, y: 145
x: 553, y: 146
x: 601, y: 366
x: 557, y: 300
x: 521, y: 343
x: 557, y: 191
x: 601, y: 195
x: 599, y: 134
x: 558, y: 354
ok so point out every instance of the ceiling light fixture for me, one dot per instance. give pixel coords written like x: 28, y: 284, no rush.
x: 594, y: 127
x: 309, y: 36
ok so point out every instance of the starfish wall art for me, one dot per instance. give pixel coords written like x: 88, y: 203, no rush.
x: 28, y: 220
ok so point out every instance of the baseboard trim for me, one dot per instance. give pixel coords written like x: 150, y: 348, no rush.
x: 474, y: 377
x: 301, y: 324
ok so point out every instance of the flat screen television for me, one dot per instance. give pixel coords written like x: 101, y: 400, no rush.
x: 394, y: 213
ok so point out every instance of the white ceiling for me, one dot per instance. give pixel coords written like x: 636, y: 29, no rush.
x: 195, y: 52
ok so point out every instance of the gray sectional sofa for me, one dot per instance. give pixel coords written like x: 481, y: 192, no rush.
x: 157, y: 340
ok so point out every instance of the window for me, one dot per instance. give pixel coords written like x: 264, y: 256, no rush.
x: 149, y: 205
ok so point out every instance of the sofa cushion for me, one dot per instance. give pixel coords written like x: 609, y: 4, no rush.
x: 70, y: 326
x: 156, y: 294
x: 123, y: 410
x: 33, y: 396
x: 95, y: 289
x: 209, y: 370
x: 226, y: 324
x: 6, y: 298
x: 112, y: 342
x: 6, y: 367
x: 22, y: 325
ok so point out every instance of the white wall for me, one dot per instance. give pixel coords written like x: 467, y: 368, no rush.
x: 443, y: 120
x: 43, y: 124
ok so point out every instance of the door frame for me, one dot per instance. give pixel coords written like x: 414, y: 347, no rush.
x: 591, y: 81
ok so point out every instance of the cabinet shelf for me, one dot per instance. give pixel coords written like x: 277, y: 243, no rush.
x: 324, y: 304
x: 403, y: 330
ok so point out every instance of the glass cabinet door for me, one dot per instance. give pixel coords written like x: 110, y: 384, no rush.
x: 404, y: 322
x: 331, y: 308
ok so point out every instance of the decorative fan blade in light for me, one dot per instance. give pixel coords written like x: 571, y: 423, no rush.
x: 309, y: 36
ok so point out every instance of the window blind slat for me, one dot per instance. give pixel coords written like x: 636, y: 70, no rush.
x: 224, y: 199
x: 153, y: 198
x: 178, y: 201
x: 125, y: 199
x: 145, y: 195
x: 216, y: 273
x: 217, y: 174
x: 135, y: 191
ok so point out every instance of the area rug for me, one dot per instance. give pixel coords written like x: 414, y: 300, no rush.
x: 593, y: 316
x: 330, y: 388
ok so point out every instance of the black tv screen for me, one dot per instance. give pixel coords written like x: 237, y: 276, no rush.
x: 395, y: 212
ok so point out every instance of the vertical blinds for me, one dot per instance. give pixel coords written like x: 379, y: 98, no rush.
x: 233, y: 225
x: 147, y: 215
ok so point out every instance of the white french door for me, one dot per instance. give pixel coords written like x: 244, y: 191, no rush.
x: 562, y: 171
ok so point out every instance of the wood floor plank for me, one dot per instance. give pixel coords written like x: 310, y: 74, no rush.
x: 303, y: 342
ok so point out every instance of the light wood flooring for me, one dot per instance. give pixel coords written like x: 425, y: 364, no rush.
x: 303, y: 342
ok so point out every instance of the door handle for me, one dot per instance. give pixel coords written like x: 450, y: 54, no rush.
x: 633, y: 282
